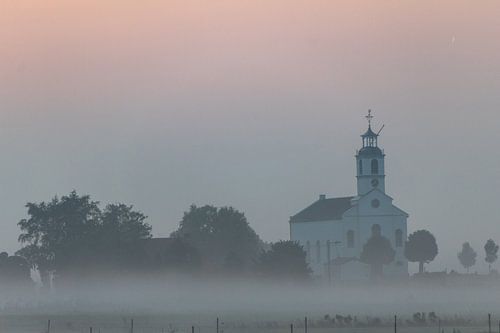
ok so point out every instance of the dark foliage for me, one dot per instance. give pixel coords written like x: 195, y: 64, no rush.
x: 467, y: 256
x: 421, y: 247
x: 170, y: 255
x: 71, y: 235
x: 14, y: 271
x: 491, y: 250
x: 222, y: 236
x: 285, y: 260
x: 377, y: 252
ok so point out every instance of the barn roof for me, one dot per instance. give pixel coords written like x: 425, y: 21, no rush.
x: 324, y: 210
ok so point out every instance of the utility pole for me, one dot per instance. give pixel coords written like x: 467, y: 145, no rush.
x: 329, y: 258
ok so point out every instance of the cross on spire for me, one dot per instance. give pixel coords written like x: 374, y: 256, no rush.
x: 369, y: 117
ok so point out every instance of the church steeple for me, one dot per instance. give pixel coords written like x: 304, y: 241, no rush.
x: 370, y: 137
x: 370, y: 161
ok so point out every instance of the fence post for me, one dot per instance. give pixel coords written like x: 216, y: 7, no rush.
x: 217, y: 324
x: 489, y: 322
x: 131, y: 325
x: 192, y: 329
x: 305, y: 325
x: 395, y: 324
x: 90, y: 329
x: 291, y: 328
x: 48, y: 326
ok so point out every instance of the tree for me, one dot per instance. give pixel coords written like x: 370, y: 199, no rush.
x: 491, y: 250
x: 72, y: 234
x: 285, y: 260
x: 121, y: 230
x: 467, y: 256
x: 14, y: 270
x: 58, y: 232
x: 377, y: 252
x: 221, y: 235
x: 421, y: 247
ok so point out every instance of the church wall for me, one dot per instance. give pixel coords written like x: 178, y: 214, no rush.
x: 312, y: 232
x: 389, y: 225
x: 333, y: 231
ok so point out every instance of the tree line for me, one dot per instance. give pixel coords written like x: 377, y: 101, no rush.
x: 75, y: 237
x: 421, y: 247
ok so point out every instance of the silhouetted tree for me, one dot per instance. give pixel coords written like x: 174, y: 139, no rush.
x: 72, y: 233
x: 58, y: 232
x: 219, y: 234
x: 491, y: 250
x: 121, y: 229
x: 14, y: 270
x: 377, y: 252
x: 421, y: 247
x: 285, y: 259
x: 467, y: 256
x: 233, y: 263
x: 180, y: 257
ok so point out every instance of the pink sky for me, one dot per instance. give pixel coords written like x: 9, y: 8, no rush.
x: 257, y: 104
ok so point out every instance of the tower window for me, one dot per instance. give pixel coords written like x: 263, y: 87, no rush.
x: 374, y: 167
x: 360, y: 167
x: 318, y: 251
x: 350, y: 239
x: 399, y: 238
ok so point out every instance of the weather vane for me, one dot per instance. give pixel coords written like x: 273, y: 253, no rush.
x: 369, y: 117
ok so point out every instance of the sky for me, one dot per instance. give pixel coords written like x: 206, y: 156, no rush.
x: 254, y: 104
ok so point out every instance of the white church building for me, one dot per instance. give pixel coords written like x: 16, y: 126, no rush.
x: 333, y: 231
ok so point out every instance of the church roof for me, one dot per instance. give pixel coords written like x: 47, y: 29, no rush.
x: 324, y: 210
x: 369, y: 133
x: 371, y: 152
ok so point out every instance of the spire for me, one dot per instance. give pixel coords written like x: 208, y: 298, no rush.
x: 369, y: 117
x: 369, y: 137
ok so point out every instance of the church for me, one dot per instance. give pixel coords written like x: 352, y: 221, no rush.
x: 333, y: 231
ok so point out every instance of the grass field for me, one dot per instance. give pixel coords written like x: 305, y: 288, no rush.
x: 183, y: 324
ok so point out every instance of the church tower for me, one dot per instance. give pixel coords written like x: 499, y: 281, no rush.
x: 370, y: 162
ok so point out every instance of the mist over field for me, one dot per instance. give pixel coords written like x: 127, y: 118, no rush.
x: 250, y: 300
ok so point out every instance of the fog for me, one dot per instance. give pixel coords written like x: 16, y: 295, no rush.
x: 252, y: 300
x: 177, y: 303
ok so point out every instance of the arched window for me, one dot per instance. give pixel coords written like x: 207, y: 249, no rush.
x: 350, y: 239
x: 360, y: 167
x: 374, y: 167
x: 376, y: 230
x: 399, y: 238
x: 308, y: 251
x: 318, y: 251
